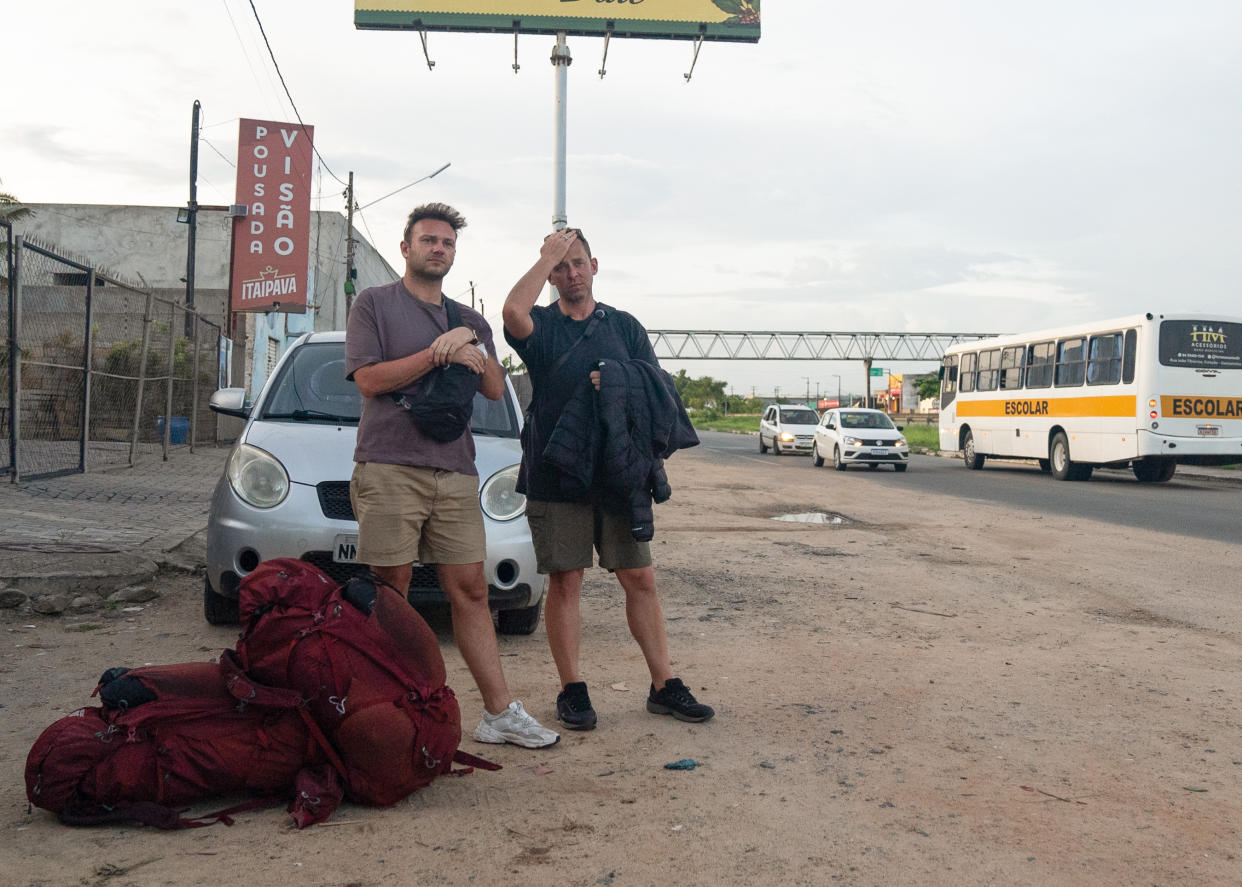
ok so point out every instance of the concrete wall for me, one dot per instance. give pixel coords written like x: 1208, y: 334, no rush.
x: 147, y: 245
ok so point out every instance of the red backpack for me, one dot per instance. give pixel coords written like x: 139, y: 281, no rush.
x: 167, y: 736
x: 369, y: 668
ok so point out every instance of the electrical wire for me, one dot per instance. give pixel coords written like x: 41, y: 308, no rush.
x: 287, y: 93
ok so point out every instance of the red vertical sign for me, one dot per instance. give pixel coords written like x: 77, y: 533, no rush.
x: 271, y: 244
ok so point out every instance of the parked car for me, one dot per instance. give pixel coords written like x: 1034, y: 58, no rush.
x: 787, y: 428
x: 859, y: 436
x: 285, y: 489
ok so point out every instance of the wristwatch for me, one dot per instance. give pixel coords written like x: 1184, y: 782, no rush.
x: 474, y: 337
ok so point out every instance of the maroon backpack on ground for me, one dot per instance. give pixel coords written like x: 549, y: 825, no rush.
x: 369, y: 668
x: 168, y: 736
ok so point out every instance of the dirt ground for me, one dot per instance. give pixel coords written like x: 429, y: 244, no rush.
x: 931, y: 692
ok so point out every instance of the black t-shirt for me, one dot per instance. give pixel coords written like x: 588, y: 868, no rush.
x: 617, y: 336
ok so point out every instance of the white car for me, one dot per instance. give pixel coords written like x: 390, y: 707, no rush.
x: 285, y: 489
x: 859, y: 437
x: 787, y: 428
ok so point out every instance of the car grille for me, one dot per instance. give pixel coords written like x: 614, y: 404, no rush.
x: 334, y: 500
x: 424, y: 577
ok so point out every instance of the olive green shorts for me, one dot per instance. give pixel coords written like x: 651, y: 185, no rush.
x: 566, y: 534
x: 408, y: 514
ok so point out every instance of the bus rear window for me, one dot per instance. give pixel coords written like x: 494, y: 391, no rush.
x: 1201, y: 344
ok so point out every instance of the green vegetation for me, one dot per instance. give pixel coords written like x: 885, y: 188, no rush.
x: 737, y: 423
x: 922, y: 437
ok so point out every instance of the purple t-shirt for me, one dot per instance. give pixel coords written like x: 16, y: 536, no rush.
x: 386, y: 323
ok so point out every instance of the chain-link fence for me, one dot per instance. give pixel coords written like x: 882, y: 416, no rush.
x: 99, y: 372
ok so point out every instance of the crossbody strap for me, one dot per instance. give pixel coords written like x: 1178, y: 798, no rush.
x: 454, y: 320
x: 596, y: 317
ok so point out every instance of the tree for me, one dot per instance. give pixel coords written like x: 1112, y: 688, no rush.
x: 12, y: 208
x: 701, y: 393
x: 928, y: 386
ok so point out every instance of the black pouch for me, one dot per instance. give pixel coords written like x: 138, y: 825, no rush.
x: 443, y: 407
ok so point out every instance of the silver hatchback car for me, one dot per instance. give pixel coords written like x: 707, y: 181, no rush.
x: 285, y: 489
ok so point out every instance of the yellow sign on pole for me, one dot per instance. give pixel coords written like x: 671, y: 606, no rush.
x: 728, y: 20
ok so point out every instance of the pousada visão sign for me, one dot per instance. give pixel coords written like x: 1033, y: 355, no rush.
x: 728, y: 20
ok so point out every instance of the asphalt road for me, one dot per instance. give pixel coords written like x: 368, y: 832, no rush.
x: 1200, y: 507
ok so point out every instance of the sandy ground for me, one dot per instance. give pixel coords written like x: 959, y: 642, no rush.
x: 932, y: 692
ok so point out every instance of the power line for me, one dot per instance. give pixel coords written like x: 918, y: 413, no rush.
x: 287, y: 93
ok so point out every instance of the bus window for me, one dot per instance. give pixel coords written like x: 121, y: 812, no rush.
x: 1104, y: 359
x: 948, y: 381
x: 988, y: 363
x: 1127, y: 362
x: 1069, y: 371
x: 967, y: 376
x: 1011, y: 368
x: 1039, y: 365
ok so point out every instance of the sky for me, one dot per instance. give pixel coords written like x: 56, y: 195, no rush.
x: 904, y: 166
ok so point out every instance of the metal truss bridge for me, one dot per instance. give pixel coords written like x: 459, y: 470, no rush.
x: 720, y: 345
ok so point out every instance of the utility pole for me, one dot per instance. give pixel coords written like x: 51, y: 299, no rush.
x: 349, y: 245
x: 192, y: 219
x: 472, y: 294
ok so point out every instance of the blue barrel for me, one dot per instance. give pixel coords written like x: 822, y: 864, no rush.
x: 178, y: 433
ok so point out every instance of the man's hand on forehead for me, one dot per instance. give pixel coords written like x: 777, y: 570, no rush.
x: 556, y: 245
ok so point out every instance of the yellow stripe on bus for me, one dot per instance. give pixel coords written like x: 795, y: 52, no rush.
x: 1054, y: 407
x: 1185, y: 407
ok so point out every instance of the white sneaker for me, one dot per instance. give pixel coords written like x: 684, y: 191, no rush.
x: 516, y: 726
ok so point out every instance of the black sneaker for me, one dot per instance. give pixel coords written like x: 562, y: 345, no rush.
x: 676, y: 699
x: 573, y: 707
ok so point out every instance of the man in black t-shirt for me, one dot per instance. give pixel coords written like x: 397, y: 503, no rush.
x: 561, y: 345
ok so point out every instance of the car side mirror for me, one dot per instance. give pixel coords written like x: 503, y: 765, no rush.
x: 900, y: 427
x: 229, y: 402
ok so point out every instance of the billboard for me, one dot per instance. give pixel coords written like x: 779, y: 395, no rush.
x: 731, y: 20
x: 271, y: 243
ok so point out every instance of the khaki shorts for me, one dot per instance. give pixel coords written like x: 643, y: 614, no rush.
x: 565, y: 533
x: 424, y: 514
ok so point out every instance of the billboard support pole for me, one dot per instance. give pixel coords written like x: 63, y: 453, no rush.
x: 561, y: 62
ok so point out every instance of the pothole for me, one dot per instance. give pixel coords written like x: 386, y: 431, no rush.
x: 814, y: 517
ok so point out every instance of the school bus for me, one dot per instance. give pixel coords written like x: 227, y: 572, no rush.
x: 1149, y: 391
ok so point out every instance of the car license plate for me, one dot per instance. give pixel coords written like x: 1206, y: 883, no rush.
x: 345, y: 549
x: 879, y: 451
x: 1209, y: 431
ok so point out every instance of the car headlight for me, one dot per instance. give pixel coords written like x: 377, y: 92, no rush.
x: 901, y: 442
x: 851, y: 441
x: 785, y: 435
x: 257, y: 477
x: 499, y: 497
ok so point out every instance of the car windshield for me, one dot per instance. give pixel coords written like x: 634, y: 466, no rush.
x: 798, y: 417
x: 312, y: 387
x: 865, y: 420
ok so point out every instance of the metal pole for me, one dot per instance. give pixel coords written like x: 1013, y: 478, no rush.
x: 867, y: 370
x: 147, y: 318
x: 15, y: 361
x: 86, y: 371
x: 561, y: 62
x: 193, y: 216
x: 172, y: 373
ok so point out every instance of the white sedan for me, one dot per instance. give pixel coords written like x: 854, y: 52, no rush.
x: 858, y: 436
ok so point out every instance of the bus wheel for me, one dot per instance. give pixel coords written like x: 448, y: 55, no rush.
x: 973, y: 460
x: 1154, y: 471
x: 1059, y: 461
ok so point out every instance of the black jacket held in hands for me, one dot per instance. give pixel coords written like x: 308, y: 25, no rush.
x: 614, y: 441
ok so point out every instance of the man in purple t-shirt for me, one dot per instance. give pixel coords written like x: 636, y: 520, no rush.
x: 416, y: 497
